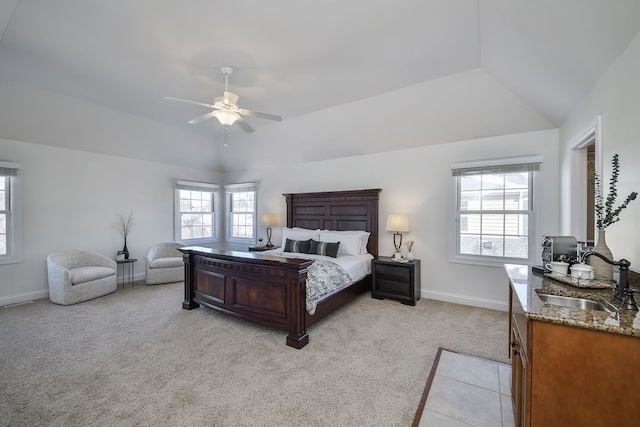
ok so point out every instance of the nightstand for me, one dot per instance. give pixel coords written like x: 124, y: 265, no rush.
x: 397, y: 280
x: 261, y: 248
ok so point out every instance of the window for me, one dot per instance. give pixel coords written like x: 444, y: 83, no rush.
x: 494, y: 211
x: 241, y: 209
x: 10, y: 215
x: 195, y: 212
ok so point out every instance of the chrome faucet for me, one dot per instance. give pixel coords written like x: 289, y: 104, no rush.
x: 623, y: 292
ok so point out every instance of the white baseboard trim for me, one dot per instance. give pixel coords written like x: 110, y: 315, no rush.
x: 29, y: 296
x: 136, y: 278
x: 465, y: 300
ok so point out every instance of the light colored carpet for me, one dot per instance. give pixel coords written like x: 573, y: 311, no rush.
x: 136, y: 357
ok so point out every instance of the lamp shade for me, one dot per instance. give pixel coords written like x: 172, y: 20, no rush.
x: 226, y: 118
x: 269, y: 220
x: 398, y: 223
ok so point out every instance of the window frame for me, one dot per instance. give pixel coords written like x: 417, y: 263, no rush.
x: 241, y: 188
x: 204, y: 188
x: 11, y: 172
x: 530, y: 164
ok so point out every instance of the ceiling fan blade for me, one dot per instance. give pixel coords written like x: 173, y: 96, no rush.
x: 202, y: 118
x: 230, y: 98
x: 261, y: 115
x: 190, y: 102
x: 244, y: 125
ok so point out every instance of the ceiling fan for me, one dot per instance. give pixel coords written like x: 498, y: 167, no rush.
x: 225, y: 108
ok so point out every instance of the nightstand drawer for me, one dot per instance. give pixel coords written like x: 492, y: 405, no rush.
x: 392, y: 288
x: 393, y: 273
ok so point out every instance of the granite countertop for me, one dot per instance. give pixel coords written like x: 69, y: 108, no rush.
x: 526, y: 285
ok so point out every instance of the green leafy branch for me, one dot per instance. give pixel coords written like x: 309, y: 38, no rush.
x: 606, y: 214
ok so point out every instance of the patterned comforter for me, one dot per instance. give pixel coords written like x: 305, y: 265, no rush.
x: 324, y: 277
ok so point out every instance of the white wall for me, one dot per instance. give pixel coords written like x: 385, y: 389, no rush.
x: 617, y: 98
x: 69, y: 202
x: 417, y: 182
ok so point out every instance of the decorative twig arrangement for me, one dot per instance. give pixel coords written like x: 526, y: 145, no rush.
x: 124, y: 223
x: 409, y: 244
x: 605, y: 214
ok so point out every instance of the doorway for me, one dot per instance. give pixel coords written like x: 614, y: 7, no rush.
x: 586, y: 155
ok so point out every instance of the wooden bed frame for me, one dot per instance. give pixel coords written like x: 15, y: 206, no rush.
x: 270, y: 290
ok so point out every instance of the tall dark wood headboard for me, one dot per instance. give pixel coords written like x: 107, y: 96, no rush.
x: 336, y: 210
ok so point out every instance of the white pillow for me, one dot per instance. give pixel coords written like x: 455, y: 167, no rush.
x: 350, y: 241
x: 364, y: 241
x: 364, y: 236
x: 299, y: 234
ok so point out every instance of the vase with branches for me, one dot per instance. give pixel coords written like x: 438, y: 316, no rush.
x: 409, y: 244
x: 124, y: 223
x: 606, y: 215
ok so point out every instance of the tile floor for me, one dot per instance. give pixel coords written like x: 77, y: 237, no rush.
x: 468, y: 391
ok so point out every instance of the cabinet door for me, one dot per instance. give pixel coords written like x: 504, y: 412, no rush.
x: 524, y: 396
x: 516, y: 378
x: 519, y: 370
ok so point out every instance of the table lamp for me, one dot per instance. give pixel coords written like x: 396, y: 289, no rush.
x: 269, y: 220
x: 398, y: 224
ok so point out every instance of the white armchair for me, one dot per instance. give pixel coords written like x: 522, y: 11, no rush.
x: 76, y: 276
x: 164, y: 264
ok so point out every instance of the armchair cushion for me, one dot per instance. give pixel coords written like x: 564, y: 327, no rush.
x: 166, y: 262
x: 87, y: 274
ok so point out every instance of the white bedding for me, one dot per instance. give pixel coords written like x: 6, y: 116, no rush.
x: 324, y: 277
x: 356, y: 266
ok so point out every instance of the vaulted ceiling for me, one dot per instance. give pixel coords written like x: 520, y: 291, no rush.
x: 533, y: 61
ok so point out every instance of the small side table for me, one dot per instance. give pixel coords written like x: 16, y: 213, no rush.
x: 261, y: 248
x: 397, y: 280
x: 128, y: 264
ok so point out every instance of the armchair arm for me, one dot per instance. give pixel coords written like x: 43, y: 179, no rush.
x: 57, y: 273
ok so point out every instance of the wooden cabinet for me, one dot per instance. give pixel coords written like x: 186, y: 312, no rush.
x: 568, y: 376
x: 397, y: 280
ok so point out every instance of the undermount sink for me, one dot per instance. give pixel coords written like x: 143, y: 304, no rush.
x: 581, y: 303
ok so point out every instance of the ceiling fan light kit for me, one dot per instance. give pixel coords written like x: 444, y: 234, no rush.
x: 226, y: 117
x: 226, y: 110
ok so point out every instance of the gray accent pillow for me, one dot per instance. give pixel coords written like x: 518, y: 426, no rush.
x: 324, y: 248
x: 297, y: 246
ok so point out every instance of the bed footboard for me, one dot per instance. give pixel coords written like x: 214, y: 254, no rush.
x: 260, y: 288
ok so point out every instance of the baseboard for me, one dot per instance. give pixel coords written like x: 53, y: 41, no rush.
x: 465, y: 300
x: 29, y: 296
x: 138, y: 277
